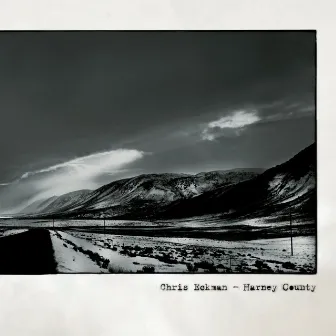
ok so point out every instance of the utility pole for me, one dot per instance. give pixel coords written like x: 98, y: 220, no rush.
x: 104, y: 226
x: 291, y: 231
x: 53, y: 224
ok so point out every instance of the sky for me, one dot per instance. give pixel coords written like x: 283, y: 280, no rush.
x: 81, y: 109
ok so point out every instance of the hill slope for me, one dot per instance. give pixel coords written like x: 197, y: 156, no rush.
x: 56, y: 203
x: 67, y: 201
x: 37, y: 206
x: 145, y: 195
x: 142, y: 195
x: 291, y: 184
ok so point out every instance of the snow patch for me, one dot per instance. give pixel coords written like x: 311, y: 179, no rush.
x: 13, y: 232
x: 70, y: 261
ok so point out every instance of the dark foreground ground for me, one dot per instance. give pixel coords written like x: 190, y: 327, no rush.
x: 67, y: 250
x: 30, y: 252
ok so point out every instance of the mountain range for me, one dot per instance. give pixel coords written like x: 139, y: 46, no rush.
x: 233, y: 194
x: 141, y: 195
x: 56, y: 203
x: 291, y: 185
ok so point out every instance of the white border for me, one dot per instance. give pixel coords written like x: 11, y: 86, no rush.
x: 133, y: 304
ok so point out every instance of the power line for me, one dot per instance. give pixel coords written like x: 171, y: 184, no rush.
x: 291, y: 230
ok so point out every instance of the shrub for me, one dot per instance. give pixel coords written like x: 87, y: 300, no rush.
x: 166, y: 258
x: 105, y: 263
x: 221, y: 267
x: 192, y: 268
x: 147, y: 250
x: 184, y: 253
x: 288, y: 265
x: 206, y: 265
x: 262, y: 265
x: 116, y: 269
x: 213, y: 270
x: 148, y: 269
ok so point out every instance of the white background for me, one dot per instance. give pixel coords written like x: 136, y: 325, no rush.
x: 134, y: 304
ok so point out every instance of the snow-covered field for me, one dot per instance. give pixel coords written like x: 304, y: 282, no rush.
x: 48, y: 223
x: 79, y: 251
x: 192, y: 222
x: 90, y: 253
x: 4, y: 233
x: 16, y: 223
x: 187, y: 245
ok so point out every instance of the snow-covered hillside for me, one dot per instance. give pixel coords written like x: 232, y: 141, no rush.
x: 68, y: 201
x: 289, y: 185
x: 141, y: 194
x: 233, y: 194
x: 38, y: 206
x: 56, y: 203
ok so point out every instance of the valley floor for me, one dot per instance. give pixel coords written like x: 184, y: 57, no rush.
x: 109, y: 253
x: 188, y: 246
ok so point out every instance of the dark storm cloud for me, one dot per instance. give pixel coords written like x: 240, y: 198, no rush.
x: 66, y: 95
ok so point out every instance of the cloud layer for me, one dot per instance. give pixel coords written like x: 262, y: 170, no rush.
x: 189, y: 98
x: 85, y: 172
x: 235, y: 121
x: 87, y: 167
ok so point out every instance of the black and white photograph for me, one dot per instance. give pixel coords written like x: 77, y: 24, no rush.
x: 158, y: 152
